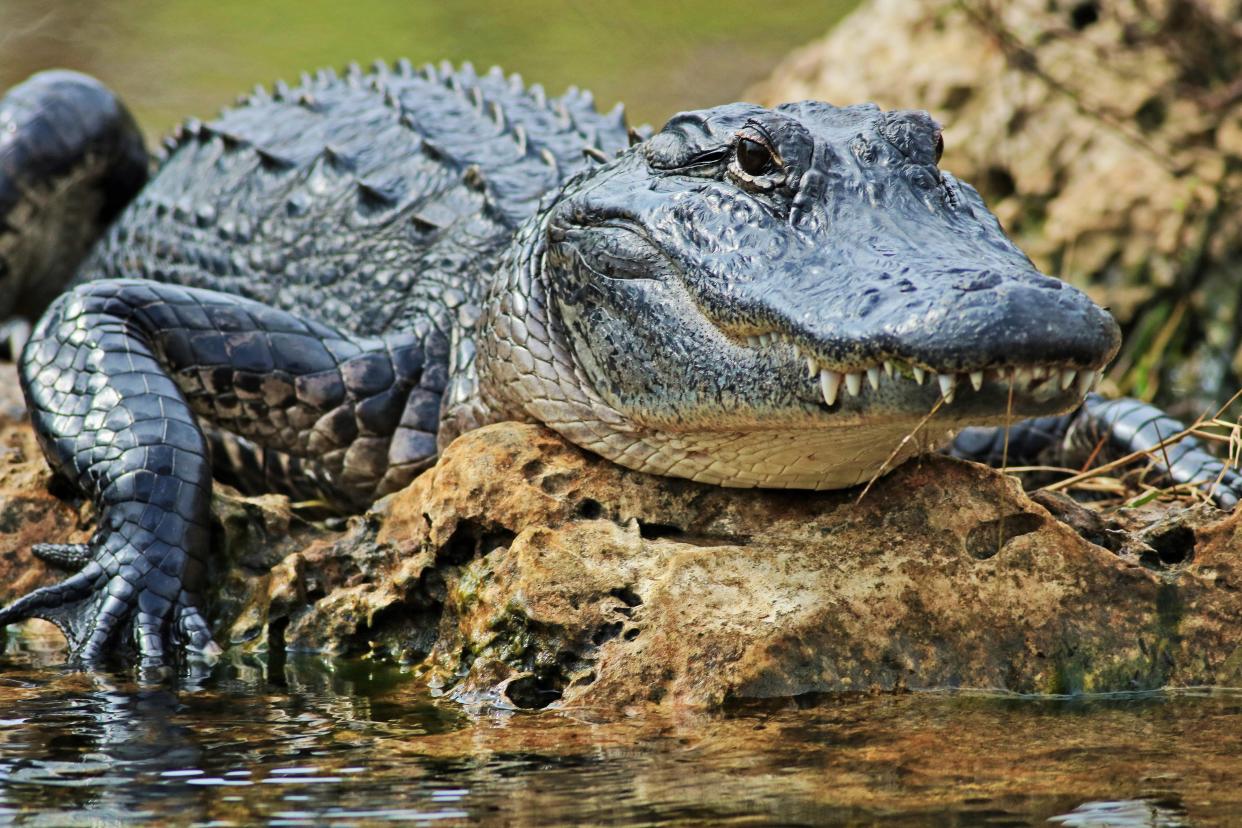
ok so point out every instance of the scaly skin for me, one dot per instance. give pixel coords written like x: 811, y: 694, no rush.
x: 71, y: 158
x: 321, y: 288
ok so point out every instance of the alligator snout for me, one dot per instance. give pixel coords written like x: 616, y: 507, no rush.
x: 992, y: 321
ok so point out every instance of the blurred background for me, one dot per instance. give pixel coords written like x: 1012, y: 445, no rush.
x: 173, y: 58
x: 1105, y: 134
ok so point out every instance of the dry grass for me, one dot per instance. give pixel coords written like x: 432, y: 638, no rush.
x: 1124, y: 482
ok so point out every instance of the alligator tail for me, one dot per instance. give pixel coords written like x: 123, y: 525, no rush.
x: 71, y: 158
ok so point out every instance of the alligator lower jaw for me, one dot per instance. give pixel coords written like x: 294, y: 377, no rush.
x: 771, y: 458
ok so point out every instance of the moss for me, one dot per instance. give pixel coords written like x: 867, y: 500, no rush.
x: 1231, y: 670
x: 1158, y: 647
x: 468, y: 582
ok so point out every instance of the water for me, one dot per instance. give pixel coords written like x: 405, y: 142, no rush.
x: 356, y: 743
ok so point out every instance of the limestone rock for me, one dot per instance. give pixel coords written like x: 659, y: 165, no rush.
x: 522, y: 571
x: 1106, y: 136
x: 29, y: 512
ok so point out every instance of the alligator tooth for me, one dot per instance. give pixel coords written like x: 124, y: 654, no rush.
x: 1067, y: 378
x: 853, y: 382
x: 873, y: 377
x: 812, y: 368
x: 976, y: 379
x: 1023, y: 376
x: 1039, y: 372
x: 829, y: 384
x: 948, y: 384
x: 919, y: 374
x: 888, y: 368
x: 1085, y: 380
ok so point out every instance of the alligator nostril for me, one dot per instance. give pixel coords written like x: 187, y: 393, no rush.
x: 978, y: 281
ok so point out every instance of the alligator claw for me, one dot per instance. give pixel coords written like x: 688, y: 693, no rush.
x: 70, y: 557
x: 57, y: 603
x: 1226, y: 494
x: 1224, y: 489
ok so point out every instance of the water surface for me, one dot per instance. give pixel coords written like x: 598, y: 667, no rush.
x: 353, y: 743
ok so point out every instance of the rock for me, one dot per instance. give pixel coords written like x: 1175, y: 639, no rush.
x: 29, y: 512
x: 524, y: 572
x: 1106, y: 136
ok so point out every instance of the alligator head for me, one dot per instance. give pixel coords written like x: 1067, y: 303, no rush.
x: 776, y: 297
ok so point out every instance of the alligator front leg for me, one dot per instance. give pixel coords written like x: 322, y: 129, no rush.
x: 1118, y: 427
x: 116, y: 375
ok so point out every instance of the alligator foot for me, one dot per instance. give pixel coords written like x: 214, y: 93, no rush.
x: 122, y: 432
x: 128, y: 589
x: 117, y: 376
x: 1133, y: 426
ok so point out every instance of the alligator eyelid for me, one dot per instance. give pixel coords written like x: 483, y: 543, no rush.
x: 766, y: 139
x: 758, y: 126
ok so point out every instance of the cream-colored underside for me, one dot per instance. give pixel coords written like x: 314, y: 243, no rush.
x: 827, y: 458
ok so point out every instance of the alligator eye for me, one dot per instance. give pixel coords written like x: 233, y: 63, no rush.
x: 939, y: 145
x: 753, y: 158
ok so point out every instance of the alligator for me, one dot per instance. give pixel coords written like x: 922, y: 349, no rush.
x: 315, y: 292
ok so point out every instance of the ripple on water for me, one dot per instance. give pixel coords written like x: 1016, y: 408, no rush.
x: 322, y: 742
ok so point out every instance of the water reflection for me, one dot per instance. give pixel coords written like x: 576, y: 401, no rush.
x: 318, y: 742
x: 92, y: 749
x: 1131, y: 813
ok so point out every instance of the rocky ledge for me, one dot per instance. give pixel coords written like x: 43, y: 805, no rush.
x: 522, y: 571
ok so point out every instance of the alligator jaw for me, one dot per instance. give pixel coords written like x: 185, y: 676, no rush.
x: 1041, y: 384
